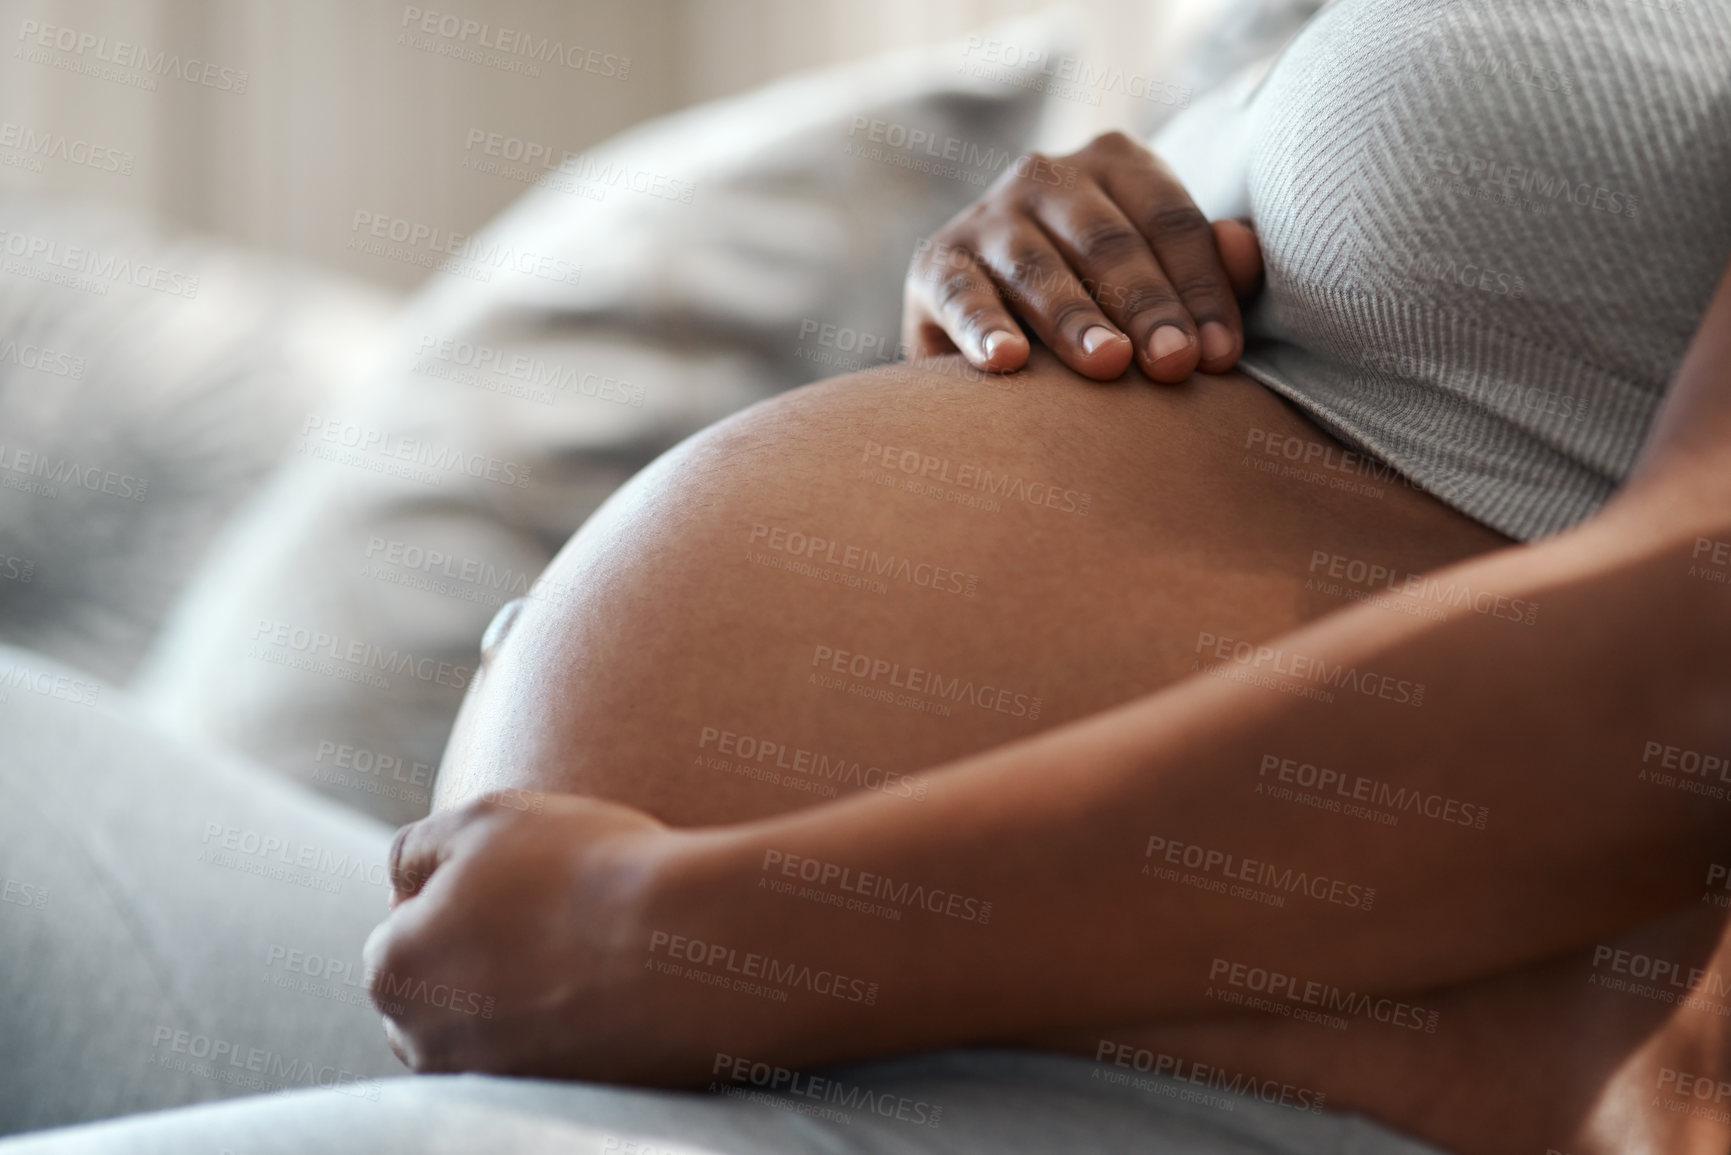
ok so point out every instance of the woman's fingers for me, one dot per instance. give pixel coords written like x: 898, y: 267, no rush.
x: 422, y: 847
x: 413, y: 858
x: 1102, y: 255
x: 1119, y: 269
x: 1241, y: 253
x: 953, y: 306
x: 1183, y: 244
x: 1036, y: 278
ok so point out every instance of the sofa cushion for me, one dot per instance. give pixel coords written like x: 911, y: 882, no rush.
x: 674, y: 275
x: 148, y: 384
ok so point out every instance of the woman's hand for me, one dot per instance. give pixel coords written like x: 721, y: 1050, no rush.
x: 1105, y: 257
x: 516, y: 939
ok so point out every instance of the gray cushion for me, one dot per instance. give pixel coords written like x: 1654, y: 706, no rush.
x: 332, y: 636
x: 134, y: 419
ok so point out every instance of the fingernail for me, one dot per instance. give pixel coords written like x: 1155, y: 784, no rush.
x: 1096, y: 336
x: 993, y: 342
x: 1167, y: 340
x: 1216, y: 341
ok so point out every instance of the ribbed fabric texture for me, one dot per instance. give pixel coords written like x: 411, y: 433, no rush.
x: 1491, y: 228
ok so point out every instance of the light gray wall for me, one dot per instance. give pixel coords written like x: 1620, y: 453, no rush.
x: 339, y: 116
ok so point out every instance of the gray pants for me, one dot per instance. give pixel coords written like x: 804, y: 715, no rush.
x: 178, y: 930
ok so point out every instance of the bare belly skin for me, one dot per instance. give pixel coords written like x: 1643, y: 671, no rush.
x: 997, y: 556
x: 867, y: 577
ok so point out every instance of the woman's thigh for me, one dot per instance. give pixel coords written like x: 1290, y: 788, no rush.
x: 174, y: 927
x: 859, y: 581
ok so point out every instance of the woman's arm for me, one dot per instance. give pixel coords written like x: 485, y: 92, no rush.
x: 1555, y: 729
x: 1587, y: 735
x: 1581, y: 734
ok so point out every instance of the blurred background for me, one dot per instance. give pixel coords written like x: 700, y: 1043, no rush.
x: 324, y: 107
x: 325, y: 323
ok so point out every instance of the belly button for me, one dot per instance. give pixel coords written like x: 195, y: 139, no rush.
x: 501, y: 625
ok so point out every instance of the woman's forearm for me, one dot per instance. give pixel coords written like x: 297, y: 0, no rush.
x: 1139, y: 858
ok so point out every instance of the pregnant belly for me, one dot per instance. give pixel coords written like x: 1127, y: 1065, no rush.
x: 848, y: 585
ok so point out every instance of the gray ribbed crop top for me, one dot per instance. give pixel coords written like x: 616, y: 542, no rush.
x: 1491, y: 228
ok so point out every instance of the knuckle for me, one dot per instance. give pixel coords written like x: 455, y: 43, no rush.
x: 944, y: 248
x: 1113, y: 142
x: 1177, y: 220
x: 1073, y: 311
x: 966, y: 224
x: 478, y: 808
x: 388, y: 962
x: 1148, y: 298
x: 978, y: 318
x: 1031, y: 263
x: 1035, y: 274
x: 1026, y: 181
x: 409, y: 879
x: 1200, y: 287
x: 953, y: 287
x: 1108, y: 242
x: 395, y: 857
